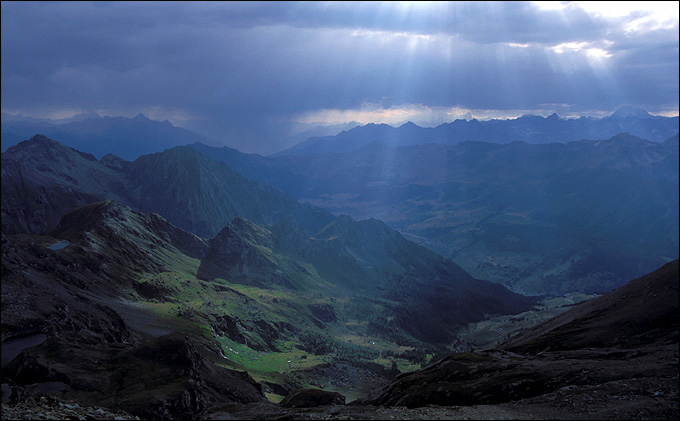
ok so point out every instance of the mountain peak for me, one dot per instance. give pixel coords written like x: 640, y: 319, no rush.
x: 83, y: 218
x: 529, y: 117
x: 114, y: 162
x: 40, y: 138
x: 245, y: 230
x: 241, y: 223
x: 40, y: 143
x: 627, y: 138
x: 629, y: 111
x: 140, y: 117
x: 90, y: 115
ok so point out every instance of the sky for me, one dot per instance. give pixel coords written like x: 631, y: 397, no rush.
x: 248, y: 74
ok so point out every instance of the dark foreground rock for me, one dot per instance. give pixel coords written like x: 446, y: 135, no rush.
x: 49, y: 408
x: 309, y: 398
x: 163, y: 378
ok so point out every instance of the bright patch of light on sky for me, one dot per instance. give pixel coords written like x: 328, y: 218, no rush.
x: 375, y: 113
x: 425, y: 116
x: 587, y: 47
x: 660, y: 9
x: 647, y: 15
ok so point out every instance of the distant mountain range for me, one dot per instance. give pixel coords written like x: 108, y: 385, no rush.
x: 528, y: 128
x: 545, y: 218
x: 127, y: 138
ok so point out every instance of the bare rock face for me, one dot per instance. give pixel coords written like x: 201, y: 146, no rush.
x: 165, y: 377
x: 178, y: 382
x: 234, y: 251
x: 323, y: 312
x: 308, y: 398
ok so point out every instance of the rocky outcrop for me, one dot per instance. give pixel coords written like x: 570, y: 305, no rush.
x: 50, y: 408
x: 178, y: 382
x: 163, y: 378
x: 119, y: 224
x: 324, y: 312
x: 242, y: 252
x: 309, y: 398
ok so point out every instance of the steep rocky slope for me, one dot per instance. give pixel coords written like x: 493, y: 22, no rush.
x: 614, y: 345
x: 71, y: 328
x: 42, y: 180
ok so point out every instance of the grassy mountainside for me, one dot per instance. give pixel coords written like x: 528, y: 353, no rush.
x: 202, y: 196
x: 340, y: 310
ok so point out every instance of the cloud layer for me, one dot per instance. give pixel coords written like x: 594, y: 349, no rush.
x: 243, y: 71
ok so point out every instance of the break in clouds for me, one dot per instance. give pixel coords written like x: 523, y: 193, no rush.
x: 245, y: 72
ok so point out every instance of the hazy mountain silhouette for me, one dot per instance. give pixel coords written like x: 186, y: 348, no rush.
x: 528, y: 128
x: 127, y: 138
x: 316, y: 131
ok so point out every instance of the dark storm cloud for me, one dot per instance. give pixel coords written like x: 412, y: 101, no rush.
x: 241, y: 70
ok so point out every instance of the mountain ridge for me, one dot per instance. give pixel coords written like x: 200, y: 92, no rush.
x: 127, y: 138
x: 205, y: 195
x: 529, y: 128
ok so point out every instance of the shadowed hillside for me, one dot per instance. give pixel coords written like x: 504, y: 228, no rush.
x: 543, y: 219
x: 42, y: 180
x: 623, y: 344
